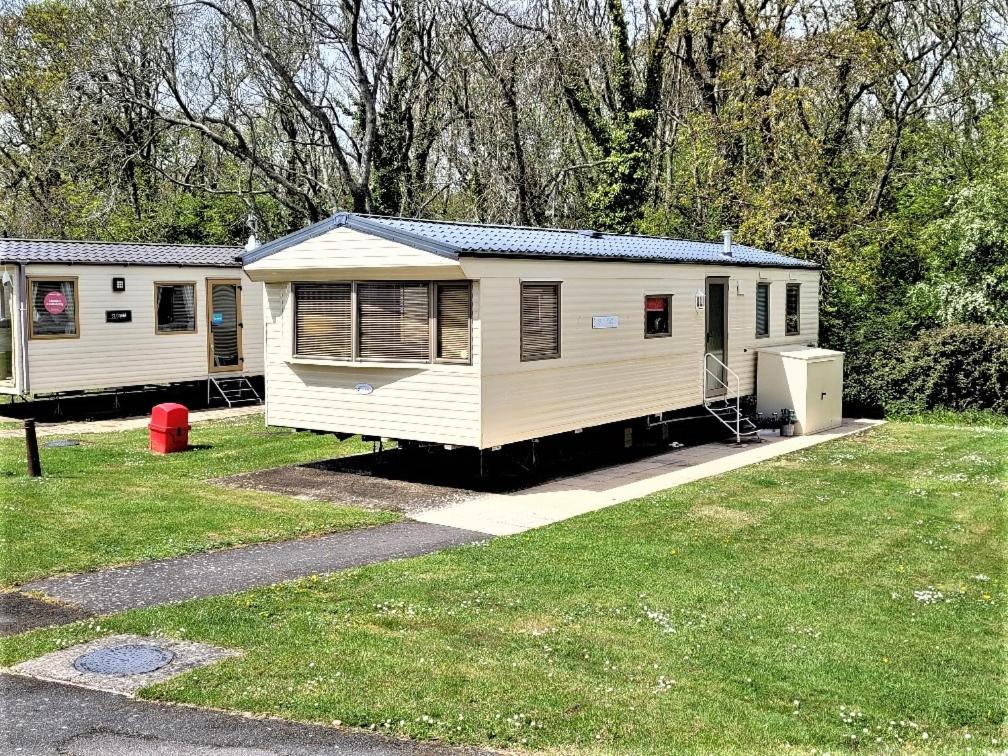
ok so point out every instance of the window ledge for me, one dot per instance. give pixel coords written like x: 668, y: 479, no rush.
x: 358, y: 364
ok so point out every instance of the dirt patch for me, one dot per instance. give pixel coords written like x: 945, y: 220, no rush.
x: 731, y: 518
x: 20, y: 612
x: 358, y: 488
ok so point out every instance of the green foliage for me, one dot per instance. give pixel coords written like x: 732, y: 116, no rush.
x: 615, y: 203
x: 919, y: 298
x: 794, y: 140
x: 958, y: 367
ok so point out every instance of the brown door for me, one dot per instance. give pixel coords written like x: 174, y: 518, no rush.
x: 224, y: 326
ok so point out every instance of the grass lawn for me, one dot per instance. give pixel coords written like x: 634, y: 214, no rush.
x: 110, y: 501
x: 850, y: 595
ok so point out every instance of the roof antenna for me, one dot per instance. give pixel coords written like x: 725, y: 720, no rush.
x: 253, y: 226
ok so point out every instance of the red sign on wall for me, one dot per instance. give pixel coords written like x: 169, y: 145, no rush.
x: 54, y: 302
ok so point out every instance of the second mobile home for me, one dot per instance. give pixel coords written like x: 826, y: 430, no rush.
x: 480, y: 336
x: 82, y: 316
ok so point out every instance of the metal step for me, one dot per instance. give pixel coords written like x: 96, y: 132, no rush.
x: 234, y: 390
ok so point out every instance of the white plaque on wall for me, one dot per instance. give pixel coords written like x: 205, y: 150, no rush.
x: 605, y: 321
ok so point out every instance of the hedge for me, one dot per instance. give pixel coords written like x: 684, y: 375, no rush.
x: 960, y: 367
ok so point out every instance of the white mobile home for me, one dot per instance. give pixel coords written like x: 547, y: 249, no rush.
x: 80, y: 316
x: 481, y: 336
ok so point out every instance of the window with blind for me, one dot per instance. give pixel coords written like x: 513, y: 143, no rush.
x: 453, y: 315
x: 762, y: 310
x: 176, y: 307
x: 792, y: 319
x: 322, y: 321
x: 540, y: 321
x: 393, y: 321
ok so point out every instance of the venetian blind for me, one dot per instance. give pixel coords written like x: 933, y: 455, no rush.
x: 322, y: 325
x: 393, y: 321
x: 540, y: 321
x: 454, y: 312
x: 762, y: 309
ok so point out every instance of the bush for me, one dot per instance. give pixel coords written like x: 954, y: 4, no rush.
x: 960, y: 367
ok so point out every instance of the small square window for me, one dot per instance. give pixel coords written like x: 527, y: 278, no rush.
x: 657, y: 315
x: 53, y: 308
x: 175, y: 307
x: 118, y: 283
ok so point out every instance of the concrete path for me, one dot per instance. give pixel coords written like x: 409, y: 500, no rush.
x: 216, y: 573
x: 44, y: 718
x: 126, y: 423
x: 503, y: 514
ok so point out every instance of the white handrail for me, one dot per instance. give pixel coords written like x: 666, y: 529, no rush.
x: 738, y: 391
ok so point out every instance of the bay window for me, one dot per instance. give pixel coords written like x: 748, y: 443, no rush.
x: 383, y: 321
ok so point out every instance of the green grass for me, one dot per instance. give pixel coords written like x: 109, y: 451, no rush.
x: 974, y: 418
x: 765, y: 610
x: 110, y: 501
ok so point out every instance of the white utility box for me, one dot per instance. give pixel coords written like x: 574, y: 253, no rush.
x: 807, y: 380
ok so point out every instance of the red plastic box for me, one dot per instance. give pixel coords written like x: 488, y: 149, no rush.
x: 169, y: 428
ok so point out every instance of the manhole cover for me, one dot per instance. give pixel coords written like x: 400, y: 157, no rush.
x: 59, y: 443
x: 131, y: 659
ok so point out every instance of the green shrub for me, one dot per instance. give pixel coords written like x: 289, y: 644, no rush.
x: 959, y: 367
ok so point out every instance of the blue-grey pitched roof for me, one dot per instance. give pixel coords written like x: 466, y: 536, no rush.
x: 116, y: 253
x: 454, y: 240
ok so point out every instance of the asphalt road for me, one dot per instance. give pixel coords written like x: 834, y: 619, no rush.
x: 40, y: 718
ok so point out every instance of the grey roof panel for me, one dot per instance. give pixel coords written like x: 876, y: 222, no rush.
x: 117, y: 253
x: 454, y: 239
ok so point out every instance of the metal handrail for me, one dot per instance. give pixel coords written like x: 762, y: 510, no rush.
x: 738, y: 391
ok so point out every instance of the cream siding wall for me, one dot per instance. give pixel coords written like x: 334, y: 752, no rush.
x: 107, y: 355
x: 353, y: 255
x: 606, y: 375
x: 421, y: 402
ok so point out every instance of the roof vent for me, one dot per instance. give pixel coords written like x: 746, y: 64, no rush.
x: 590, y: 233
x: 727, y: 234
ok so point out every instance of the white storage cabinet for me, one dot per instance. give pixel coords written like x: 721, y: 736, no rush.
x: 807, y: 380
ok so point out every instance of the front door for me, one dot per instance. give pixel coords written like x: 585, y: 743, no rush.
x: 224, y: 326
x: 716, y: 343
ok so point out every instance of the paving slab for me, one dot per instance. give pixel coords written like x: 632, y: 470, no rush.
x: 505, y: 514
x: 216, y: 573
x: 42, y: 718
x: 59, y: 666
x: 76, y: 428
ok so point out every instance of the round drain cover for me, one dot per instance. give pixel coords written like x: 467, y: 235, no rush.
x: 130, y: 659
